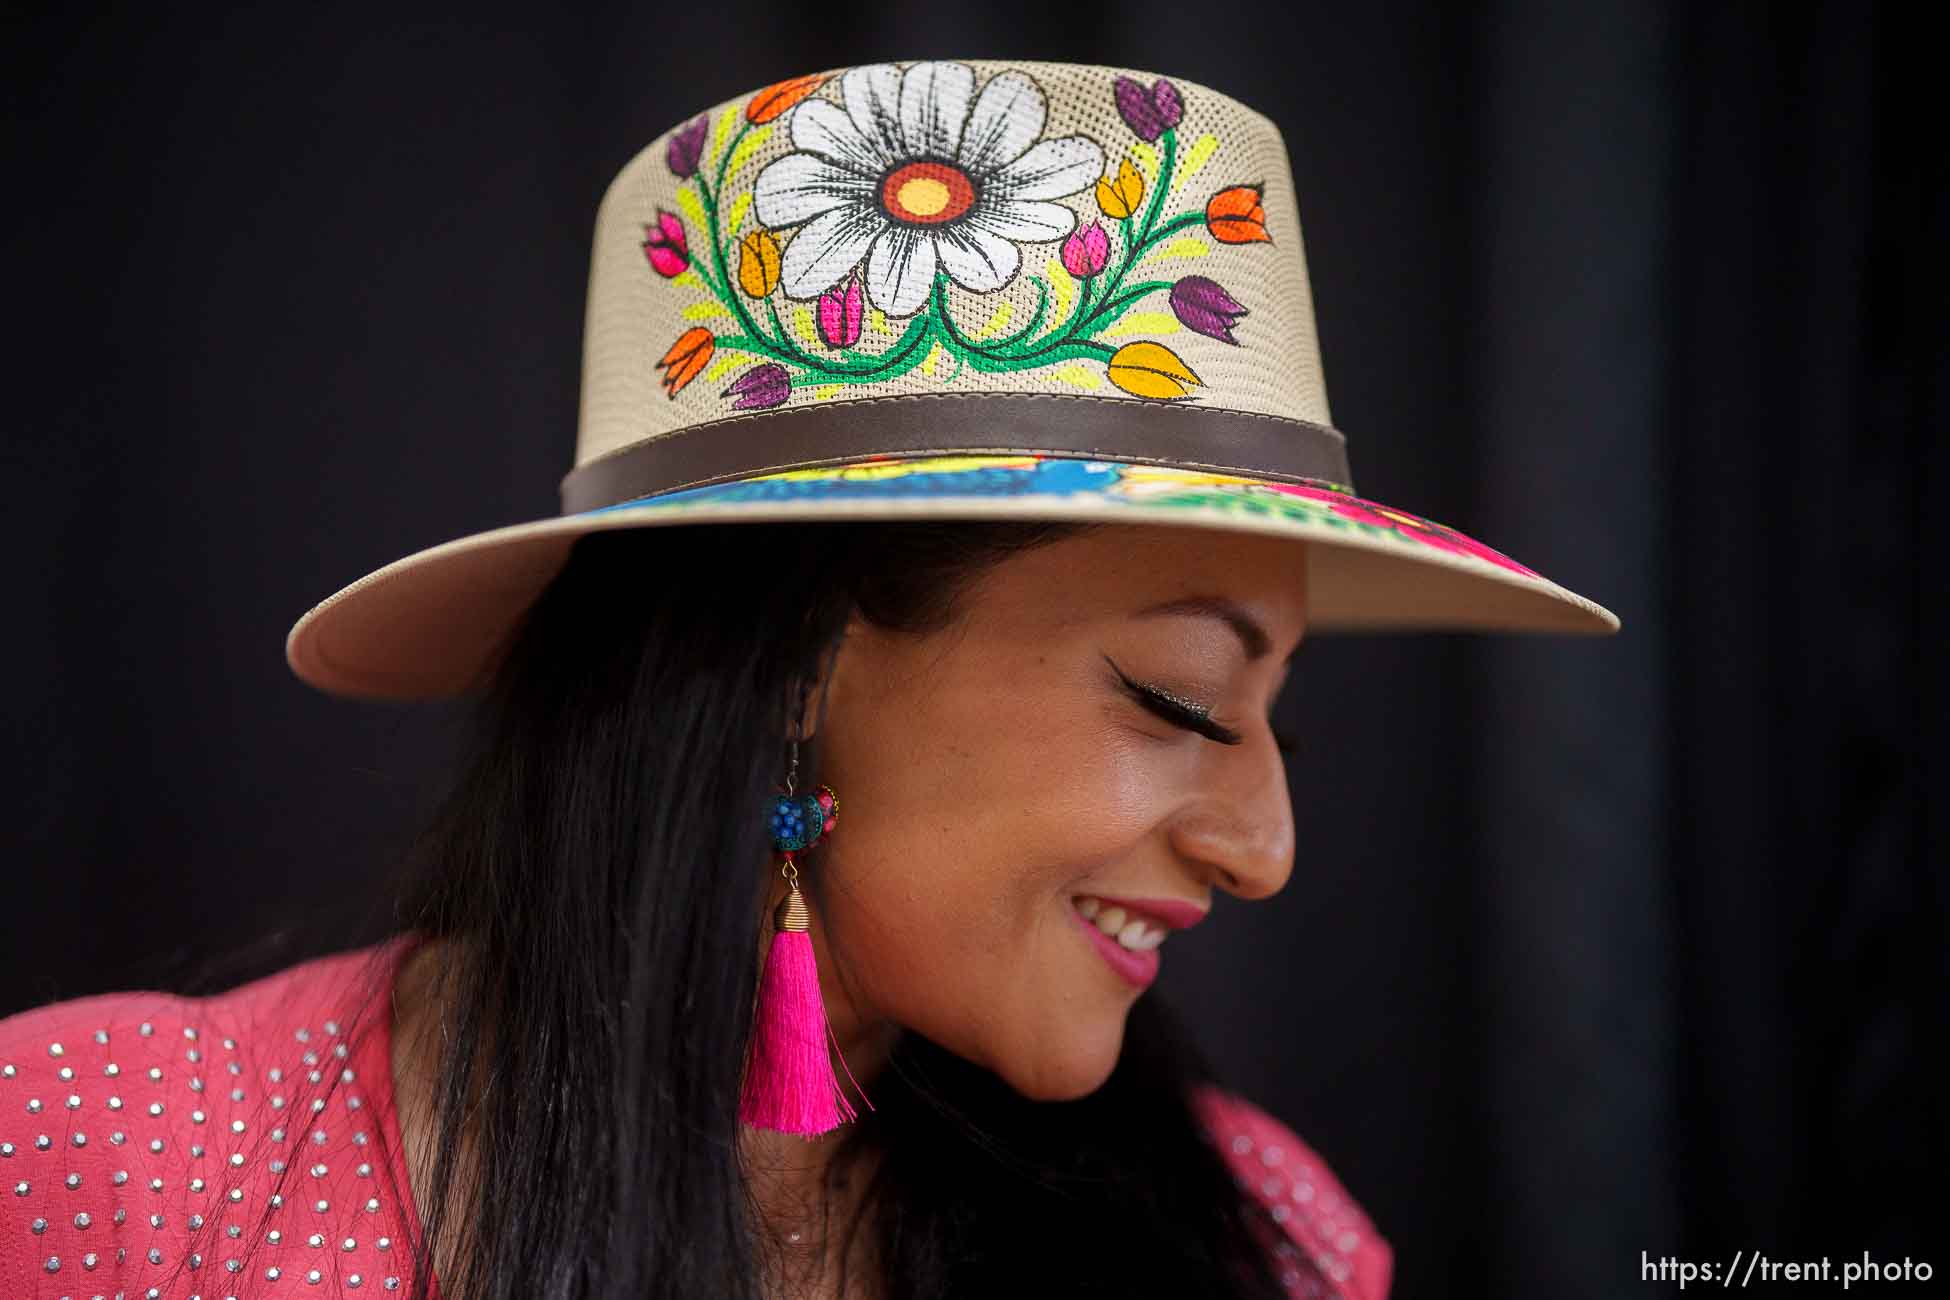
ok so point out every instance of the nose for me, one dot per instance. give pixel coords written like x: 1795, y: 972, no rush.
x: 1239, y: 833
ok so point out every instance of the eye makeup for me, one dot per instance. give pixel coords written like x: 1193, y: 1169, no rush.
x: 1189, y: 714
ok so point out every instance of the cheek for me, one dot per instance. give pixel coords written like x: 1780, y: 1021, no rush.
x: 962, y: 830
x: 953, y: 868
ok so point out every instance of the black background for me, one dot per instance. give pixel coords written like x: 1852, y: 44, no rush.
x: 1592, y: 949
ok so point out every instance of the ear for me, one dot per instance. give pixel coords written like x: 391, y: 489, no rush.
x: 808, y: 708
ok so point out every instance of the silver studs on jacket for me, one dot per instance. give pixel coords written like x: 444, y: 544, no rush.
x: 82, y: 1202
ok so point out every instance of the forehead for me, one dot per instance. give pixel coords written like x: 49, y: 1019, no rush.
x: 1117, y: 570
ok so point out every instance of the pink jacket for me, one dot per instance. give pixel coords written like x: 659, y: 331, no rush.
x: 132, y: 1149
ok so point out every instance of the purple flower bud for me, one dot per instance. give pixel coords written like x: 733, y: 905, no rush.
x: 1171, y: 109
x: 1200, y: 304
x: 1086, y: 251
x: 686, y: 146
x: 840, y: 309
x: 1149, y: 112
x: 760, y: 387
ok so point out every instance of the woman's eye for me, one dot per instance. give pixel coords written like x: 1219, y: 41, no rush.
x: 1192, y: 715
x: 1176, y: 709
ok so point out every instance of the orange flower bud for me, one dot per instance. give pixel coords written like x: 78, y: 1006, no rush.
x: 687, y: 356
x: 779, y: 96
x: 1234, y: 216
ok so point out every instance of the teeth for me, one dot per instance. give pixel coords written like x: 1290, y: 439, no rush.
x: 1126, y: 928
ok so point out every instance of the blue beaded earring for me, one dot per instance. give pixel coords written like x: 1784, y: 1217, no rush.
x: 789, y: 1083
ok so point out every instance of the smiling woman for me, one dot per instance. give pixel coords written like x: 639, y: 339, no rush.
x: 895, y: 682
x: 995, y: 782
x: 1001, y: 745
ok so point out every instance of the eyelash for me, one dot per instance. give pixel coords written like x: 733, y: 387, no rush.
x: 1195, y: 717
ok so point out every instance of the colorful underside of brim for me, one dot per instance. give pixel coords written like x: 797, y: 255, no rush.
x: 949, y: 478
x: 432, y: 623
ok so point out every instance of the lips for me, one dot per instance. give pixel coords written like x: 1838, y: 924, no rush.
x: 1171, y: 913
x: 1150, y: 919
x: 1137, y: 967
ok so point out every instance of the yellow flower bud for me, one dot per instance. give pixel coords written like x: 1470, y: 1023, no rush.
x: 1120, y: 198
x: 758, y: 263
x: 1147, y: 369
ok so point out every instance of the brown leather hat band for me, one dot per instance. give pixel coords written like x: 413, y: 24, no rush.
x: 1194, y: 437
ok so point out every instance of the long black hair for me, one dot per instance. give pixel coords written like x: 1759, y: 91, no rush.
x: 597, y: 869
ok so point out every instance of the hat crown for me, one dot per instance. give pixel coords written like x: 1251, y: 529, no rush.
x: 956, y: 227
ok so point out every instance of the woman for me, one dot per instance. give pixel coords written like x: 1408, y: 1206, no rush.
x: 895, y: 680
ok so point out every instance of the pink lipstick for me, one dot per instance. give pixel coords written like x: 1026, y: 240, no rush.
x: 1139, y: 968
x: 1171, y: 913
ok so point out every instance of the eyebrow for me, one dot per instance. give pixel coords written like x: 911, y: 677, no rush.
x: 1251, y: 635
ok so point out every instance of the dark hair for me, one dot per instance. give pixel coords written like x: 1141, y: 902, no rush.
x: 590, y: 865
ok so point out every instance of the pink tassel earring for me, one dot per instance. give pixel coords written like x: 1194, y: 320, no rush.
x: 789, y: 1085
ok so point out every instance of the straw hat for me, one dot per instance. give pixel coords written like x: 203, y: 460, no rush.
x: 980, y: 289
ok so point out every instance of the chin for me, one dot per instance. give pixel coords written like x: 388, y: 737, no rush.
x: 1084, y: 1066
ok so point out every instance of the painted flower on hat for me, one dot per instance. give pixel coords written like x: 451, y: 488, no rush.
x: 1147, y: 369
x: 902, y: 183
x: 684, y: 358
x: 1148, y: 111
x: 1086, y: 252
x: 1201, y: 304
x: 686, y: 146
x: 1118, y: 197
x: 840, y: 310
x: 759, y: 388
x: 780, y: 96
x: 664, y: 244
x: 1234, y: 216
x: 758, y: 263
x: 917, y: 173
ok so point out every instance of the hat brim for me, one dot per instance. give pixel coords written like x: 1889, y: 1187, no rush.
x: 435, y: 623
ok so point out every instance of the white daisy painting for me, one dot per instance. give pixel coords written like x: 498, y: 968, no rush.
x: 901, y: 182
x: 915, y: 171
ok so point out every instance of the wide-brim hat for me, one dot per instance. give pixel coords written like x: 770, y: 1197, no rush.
x: 955, y: 289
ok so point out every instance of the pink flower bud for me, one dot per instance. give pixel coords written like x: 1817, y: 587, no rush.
x: 665, y: 245
x: 1087, y: 251
x: 840, y: 310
